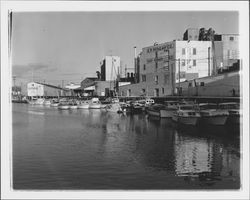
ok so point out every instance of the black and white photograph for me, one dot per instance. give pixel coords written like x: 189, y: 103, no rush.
x: 119, y: 100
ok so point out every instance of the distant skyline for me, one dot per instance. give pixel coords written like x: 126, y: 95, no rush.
x: 69, y: 46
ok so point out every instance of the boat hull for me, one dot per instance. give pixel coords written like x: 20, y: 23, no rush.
x: 63, y: 107
x: 155, y: 113
x: 94, y: 106
x: 187, y: 120
x: 215, y: 120
x: 73, y: 107
x: 166, y: 113
x: 83, y: 106
x: 234, y: 119
x: 54, y: 105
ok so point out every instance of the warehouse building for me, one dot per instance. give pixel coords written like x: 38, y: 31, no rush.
x: 35, y: 89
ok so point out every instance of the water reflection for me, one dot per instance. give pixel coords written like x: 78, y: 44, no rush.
x: 92, y: 148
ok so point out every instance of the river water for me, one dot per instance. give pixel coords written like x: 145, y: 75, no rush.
x: 94, y: 149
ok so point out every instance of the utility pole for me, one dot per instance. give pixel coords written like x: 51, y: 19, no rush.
x: 126, y: 71
x: 209, y: 48
x: 135, y: 64
x: 14, y: 80
x: 179, y: 75
x: 213, y: 58
x: 32, y: 75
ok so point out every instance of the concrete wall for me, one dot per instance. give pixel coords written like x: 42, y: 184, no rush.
x: 219, y: 86
x: 100, y: 87
x: 144, y: 88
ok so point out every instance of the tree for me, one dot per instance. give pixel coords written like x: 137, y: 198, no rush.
x: 202, y: 34
x: 210, y: 34
x: 98, y: 75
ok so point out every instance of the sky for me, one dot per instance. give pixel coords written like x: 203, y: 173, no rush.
x: 64, y: 47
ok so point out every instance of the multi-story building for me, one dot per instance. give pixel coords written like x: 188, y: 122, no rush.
x: 110, y: 68
x: 226, y: 50
x: 163, y: 65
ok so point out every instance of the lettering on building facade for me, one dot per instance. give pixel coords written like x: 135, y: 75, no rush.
x: 159, y: 48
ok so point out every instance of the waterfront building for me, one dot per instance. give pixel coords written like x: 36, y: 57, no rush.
x: 35, y: 89
x: 226, y: 51
x: 91, y: 86
x: 221, y: 85
x: 161, y: 66
x: 72, y: 86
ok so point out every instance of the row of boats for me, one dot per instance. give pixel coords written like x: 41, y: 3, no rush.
x: 191, y: 113
x: 183, y: 112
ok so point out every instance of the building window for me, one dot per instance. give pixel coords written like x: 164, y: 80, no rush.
x: 144, y: 67
x: 194, y: 62
x: 202, y: 84
x: 143, y: 91
x: 183, y: 51
x: 194, y: 51
x: 183, y: 63
x: 162, y: 90
x: 231, y: 38
x: 129, y: 92
x: 156, y: 79
x: 166, y: 79
x: 166, y: 66
x: 156, y: 93
x: 143, y: 78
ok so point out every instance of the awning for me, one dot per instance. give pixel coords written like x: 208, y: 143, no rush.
x: 89, y: 88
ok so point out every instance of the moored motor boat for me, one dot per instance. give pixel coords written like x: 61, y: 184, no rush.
x: 163, y: 110
x: 234, y: 111
x: 185, y: 114
x: 83, y: 105
x: 47, y: 102
x: 64, y: 105
x: 154, y: 110
x: 94, y: 104
x: 72, y: 104
x: 211, y: 115
x: 54, y: 103
x: 137, y: 107
x: 38, y: 101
